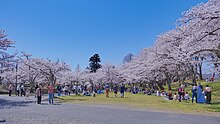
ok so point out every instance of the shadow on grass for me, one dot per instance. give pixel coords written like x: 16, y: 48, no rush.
x: 118, y: 97
x: 8, y: 104
x: 62, y: 100
x: 50, y: 104
x: 3, y: 121
x: 214, y: 107
x: 77, y: 100
x: 215, y: 103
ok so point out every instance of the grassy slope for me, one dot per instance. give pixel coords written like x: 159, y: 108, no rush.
x: 3, y: 91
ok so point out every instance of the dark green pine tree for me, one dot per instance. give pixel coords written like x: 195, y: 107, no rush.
x: 94, y: 63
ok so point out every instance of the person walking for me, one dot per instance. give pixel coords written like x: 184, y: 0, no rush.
x: 115, y: 88
x: 38, y: 94
x: 194, y: 93
x: 122, y: 90
x: 208, y: 94
x: 107, y: 90
x: 50, y: 93
x: 10, y: 88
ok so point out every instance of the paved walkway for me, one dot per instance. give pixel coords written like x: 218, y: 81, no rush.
x: 17, y: 110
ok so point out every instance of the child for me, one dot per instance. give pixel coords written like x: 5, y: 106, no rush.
x: 175, y: 97
x: 187, y: 96
x: 27, y: 94
x: 170, y: 95
x: 158, y: 93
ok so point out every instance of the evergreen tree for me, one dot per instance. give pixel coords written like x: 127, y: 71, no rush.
x: 128, y: 58
x: 94, y: 63
x: 78, y: 69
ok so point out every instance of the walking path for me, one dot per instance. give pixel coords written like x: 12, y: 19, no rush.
x: 17, y: 110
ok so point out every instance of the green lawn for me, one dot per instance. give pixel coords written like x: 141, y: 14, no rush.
x: 143, y: 102
x: 151, y: 102
x: 3, y: 91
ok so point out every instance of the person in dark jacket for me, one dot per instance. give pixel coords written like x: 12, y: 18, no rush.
x: 194, y: 93
x: 115, y: 88
x: 122, y: 90
x: 208, y: 94
x: 59, y: 89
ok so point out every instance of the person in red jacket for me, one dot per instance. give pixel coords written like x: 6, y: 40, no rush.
x: 50, y: 93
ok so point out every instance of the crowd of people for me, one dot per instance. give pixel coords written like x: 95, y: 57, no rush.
x: 198, y: 93
x: 20, y: 90
x: 115, y: 89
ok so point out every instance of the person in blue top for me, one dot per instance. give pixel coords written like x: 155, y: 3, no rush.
x: 194, y: 93
x: 122, y: 90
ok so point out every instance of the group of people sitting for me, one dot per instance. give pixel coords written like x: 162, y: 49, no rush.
x: 168, y: 95
x: 199, y: 95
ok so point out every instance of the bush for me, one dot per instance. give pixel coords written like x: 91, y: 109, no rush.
x: 3, y: 91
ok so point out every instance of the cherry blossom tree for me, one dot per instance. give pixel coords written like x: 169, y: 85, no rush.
x: 7, y: 61
x: 49, y: 71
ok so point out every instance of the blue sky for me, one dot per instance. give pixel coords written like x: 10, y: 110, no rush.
x: 74, y: 30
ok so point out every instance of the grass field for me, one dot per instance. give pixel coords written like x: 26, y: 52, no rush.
x: 152, y: 102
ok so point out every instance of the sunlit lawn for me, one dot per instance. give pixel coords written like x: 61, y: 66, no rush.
x: 144, y: 102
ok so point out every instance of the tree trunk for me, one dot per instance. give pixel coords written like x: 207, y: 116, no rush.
x: 32, y: 86
x: 194, y: 76
x: 200, y: 71
x: 168, y: 80
x: 160, y: 85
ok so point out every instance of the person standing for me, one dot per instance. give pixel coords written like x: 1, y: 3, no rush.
x: 200, y: 95
x: 50, y: 93
x: 59, y: 89
x: 122, y: 90
x: 10, y: 88
x: 94, y: 90
x: 18, y: 89
x: 194, y: 93
x: 107, y: 90
x: 38, y: 94
x: 180, y: 92
x: 208, y: 94
x: 115, y: 88
x: 22, y: 90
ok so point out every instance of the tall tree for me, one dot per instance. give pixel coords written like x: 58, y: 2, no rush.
x: 7, y: 61
x: 78, y: 69
x: 94, y: 64
x: 128, y: 58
